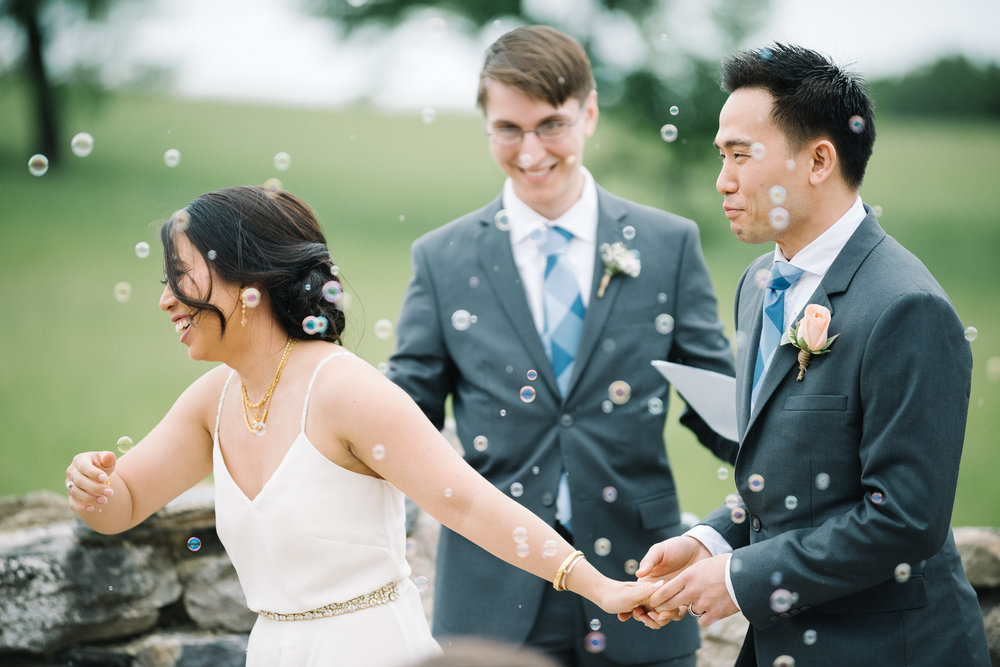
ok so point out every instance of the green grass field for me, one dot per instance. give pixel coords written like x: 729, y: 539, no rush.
x: 79, y: 369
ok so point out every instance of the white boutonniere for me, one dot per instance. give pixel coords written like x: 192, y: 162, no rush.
x: 810, y: 335
x: 617, y: 259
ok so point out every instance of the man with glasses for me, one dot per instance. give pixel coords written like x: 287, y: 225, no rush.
x: 539, y: 317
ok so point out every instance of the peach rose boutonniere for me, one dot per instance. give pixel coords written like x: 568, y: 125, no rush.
x: 810, y: 335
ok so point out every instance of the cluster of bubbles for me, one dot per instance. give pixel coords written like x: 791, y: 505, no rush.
x: 315, y: 324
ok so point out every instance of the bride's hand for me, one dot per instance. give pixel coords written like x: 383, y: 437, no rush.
x: 621, y: 597
x: 87, y: 480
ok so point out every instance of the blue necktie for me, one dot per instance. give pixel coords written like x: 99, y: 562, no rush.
x: 564, y: 313
x: 563, y: 307
x: 783, y: 276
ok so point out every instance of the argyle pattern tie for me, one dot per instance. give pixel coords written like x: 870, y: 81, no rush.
x: 563, y: 307
x: 783, y: 276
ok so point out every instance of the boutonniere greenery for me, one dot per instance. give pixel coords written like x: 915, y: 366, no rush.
x: 810, y: 335
x: 617, y: 259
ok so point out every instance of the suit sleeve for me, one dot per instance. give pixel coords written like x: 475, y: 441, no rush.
x: 421, y: 364
x: 913, y: 387
x: 698, y: 338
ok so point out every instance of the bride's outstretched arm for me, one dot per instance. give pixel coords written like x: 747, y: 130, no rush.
x: 387, y: 433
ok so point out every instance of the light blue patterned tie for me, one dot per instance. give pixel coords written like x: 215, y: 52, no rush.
x: 783, y: 276
x: 563, y: 307
x: 564, y: 313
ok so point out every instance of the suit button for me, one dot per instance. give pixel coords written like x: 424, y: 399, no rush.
x: 755, y: 524
x: 548, y: 499
x: 566, y: 420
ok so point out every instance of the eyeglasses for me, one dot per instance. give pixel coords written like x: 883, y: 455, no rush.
x: 508, y: 135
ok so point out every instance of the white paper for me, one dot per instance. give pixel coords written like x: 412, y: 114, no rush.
x: 712, y: 395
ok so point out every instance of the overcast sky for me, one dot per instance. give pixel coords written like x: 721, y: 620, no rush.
x: 271, y: 51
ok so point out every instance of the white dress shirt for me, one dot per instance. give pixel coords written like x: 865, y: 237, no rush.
x: 814, y: 260
x: 580, y: 219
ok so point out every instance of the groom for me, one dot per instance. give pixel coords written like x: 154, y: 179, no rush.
x: 547, y: 361
x: 841, y: 553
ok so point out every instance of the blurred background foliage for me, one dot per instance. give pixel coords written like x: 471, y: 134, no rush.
x: 79, y: 369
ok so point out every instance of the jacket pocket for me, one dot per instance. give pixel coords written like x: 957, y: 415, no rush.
x: 888, y: 596
x: 814, y: 402
x: 659, y: 512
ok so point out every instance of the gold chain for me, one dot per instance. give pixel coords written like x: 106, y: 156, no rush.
x: 258, y: 410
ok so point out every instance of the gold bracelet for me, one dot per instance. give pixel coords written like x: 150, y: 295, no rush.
x: 559, y: 582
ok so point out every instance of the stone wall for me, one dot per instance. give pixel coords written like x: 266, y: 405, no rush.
x: 70, y: 596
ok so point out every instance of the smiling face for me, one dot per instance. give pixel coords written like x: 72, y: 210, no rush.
x: 763, y: 181
x: 199, y: 330
x: 547, y: 175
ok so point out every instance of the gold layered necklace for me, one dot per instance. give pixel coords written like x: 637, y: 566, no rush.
x: 255, y: 414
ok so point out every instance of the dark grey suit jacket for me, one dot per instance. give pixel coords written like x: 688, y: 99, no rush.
x: 859, y: 463
x: 467, y: 265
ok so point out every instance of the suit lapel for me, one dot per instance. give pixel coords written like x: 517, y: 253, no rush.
x: 836, y: 281
x: 610, y: 218
x: 497, y: 261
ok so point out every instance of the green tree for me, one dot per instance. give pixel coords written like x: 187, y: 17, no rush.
x: 952, y: 86
x: 31, y: 17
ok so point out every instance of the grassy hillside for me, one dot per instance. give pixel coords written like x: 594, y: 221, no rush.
x: 79, y: 369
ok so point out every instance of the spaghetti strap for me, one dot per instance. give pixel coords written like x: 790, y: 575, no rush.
x: 222, y: 396
x: 305, y: 402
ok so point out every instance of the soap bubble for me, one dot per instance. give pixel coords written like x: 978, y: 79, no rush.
x: 595, y: 624
x: 628, y: 232
x: 523, y: 550
x: 194, y: 544
x: 82, y: 144
x: 172, y: 157
x: 655, y: 405
x: 428, y: 115
x: 722, y: 472
x: 607, y: 407
x: 595, y: 642
x: 38, y: 164
x: 447, y: 492
x: 383, y: 329
x: 783, y: 661
x: 877, y: 497
x: 532, y: 375
x: 823, y: 481
x: 902, y: 573
x: 971, y: 333
x: 527, y: 394
x: 602, y: 546
x: 142, y: 250
x: 993, y: 369
x: 668, y: 133
x: 525, y: 160
x: 378, y: 452
x: 333, y: 291
x: 502, y: 220
x: 461, y: 320
x: 273, y: 184
x: 778, y: 217
x: 674, y: 111
x: 123, y: 292
x: 124, y: 444
x: 809, y: 637
x: 757, y: 150
x: 777, y: 194
x: 520, y: 534
x: 857, y: 124
x: 516, y: 489
x: 791, y: 502
x: 282, y: 161
x: 610, y: 494
x: 480, y: 443
x: 781, y: 601
x: 756, y: 482
x: 664, y: 323
x: 421, y: 583
x: 738, y: 515
x: 211, y: 254
x: 619, y: 392
x: 550, y: 548
x: 761, y: 278
x: 631, y: 566
x: 661, y: 297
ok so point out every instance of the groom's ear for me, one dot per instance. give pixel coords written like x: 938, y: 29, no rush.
x: 823, y: 161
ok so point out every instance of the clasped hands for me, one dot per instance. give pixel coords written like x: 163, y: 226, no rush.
x: 694, y: 582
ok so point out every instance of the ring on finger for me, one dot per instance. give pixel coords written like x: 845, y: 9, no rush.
x: 69, y: 485
x: 694, y: 613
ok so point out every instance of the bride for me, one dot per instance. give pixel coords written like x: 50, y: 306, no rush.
x: 310, y: 447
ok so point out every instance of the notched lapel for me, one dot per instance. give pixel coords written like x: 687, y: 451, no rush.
x: 497, y: 261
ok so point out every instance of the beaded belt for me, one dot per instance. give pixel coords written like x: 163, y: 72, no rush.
x: 379, y: 596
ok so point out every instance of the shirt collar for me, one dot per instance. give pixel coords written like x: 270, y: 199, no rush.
x: 580, y: 219
x: 817, y: 257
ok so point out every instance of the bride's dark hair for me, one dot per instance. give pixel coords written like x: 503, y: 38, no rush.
x: 253, y: 236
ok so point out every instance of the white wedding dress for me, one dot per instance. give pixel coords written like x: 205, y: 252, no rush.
x: 318, y: 535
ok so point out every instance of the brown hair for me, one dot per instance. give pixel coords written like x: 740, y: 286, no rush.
x: 541, y: 62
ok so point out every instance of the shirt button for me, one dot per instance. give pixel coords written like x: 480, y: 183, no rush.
x: 566, y: 420
x: 755, y: 524
x: 548, y: 499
